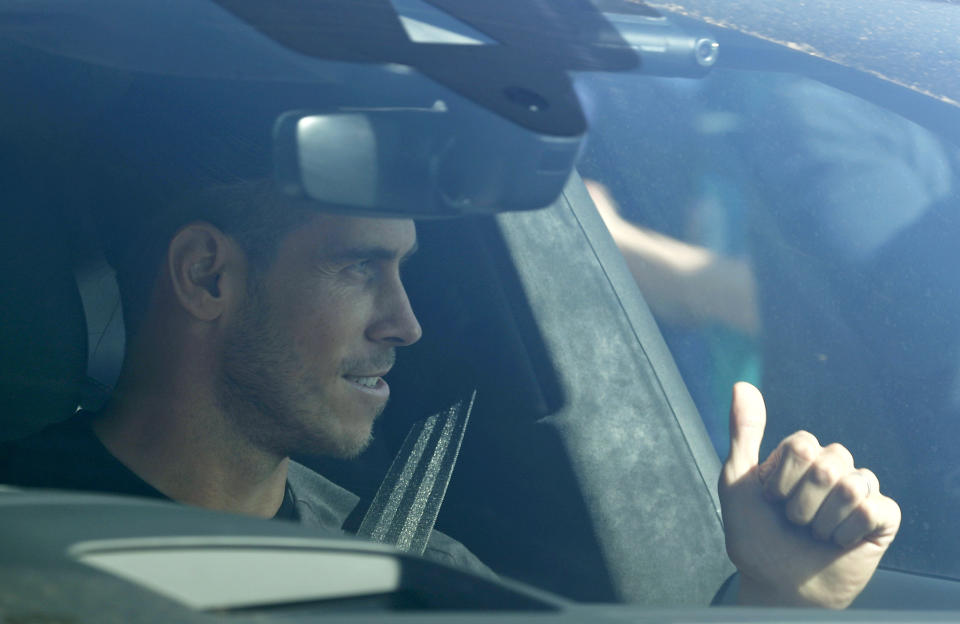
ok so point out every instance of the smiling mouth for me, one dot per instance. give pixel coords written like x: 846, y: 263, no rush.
x: 367, y: 382
x: 370, y: 385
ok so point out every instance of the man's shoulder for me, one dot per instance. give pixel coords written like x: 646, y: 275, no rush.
x: 319, y: 501
x: 53, y: 457
x: 322, y: 503
x: 68, y: 455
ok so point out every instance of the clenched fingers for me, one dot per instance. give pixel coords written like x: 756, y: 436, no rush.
x: 848, y: 493
x: 876, y: 518
x: 789, y: 464
x: 820, y: 487
x: 817, y: 483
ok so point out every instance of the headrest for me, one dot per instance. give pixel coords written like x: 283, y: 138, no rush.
x: 43, y: 335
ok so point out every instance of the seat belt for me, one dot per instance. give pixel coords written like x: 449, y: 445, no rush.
x: 406, y: 505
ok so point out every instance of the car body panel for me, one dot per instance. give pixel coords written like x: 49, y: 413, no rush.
x: 865, y: 36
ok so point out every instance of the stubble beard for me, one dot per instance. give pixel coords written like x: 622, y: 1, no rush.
x: 265, y: 390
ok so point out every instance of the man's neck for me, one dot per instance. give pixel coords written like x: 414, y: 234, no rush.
x: 189, y: 450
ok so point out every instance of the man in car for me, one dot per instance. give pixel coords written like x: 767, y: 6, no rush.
x: 259, y: 328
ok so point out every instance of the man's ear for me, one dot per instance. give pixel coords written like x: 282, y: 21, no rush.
x: 204, y: 265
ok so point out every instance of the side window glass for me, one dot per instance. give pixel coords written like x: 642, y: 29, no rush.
x: 792, y: 235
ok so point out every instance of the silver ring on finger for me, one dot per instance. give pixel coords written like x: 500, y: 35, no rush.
x: 868, y: 482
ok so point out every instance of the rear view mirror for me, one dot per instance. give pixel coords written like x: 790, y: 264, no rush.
x: 419, y: 163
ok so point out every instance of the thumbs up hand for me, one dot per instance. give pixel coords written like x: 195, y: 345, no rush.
x: 805, y: 527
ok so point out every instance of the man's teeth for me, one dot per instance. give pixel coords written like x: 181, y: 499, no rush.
x: 369, y: 382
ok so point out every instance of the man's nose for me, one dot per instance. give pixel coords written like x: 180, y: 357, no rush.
x: 397, y: 324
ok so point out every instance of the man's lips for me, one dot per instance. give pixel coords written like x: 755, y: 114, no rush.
x: 370, y: 382
x: 368, y: 379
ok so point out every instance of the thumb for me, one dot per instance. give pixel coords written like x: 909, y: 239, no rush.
x: 748, y: 417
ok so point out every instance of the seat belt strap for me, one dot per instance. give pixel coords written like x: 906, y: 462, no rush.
x: 406, y: 505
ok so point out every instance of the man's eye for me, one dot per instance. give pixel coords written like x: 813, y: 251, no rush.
x: 364, y: 267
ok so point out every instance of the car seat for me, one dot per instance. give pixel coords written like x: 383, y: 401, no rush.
x: 43, y: 338
x: 61, y: 332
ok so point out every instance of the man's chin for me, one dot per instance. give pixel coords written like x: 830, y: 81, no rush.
x: 351, y: 442
x: 337, y: 445
x: 354, y: 450
x: 340, y: 438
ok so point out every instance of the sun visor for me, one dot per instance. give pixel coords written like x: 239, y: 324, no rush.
x: 419, y: 162
x: 523, y: 48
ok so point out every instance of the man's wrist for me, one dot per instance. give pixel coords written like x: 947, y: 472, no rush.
x: 752, y: 594
x: 755, y: 594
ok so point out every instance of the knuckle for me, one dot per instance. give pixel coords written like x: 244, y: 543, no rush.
x: 848, y: 491
x: 823, y: 475
x: 795, y: 513
x: 843, y: 539
x: 804, y: 447
x: 776, y: 489
x: 861, y: 516
x: 820, y: 530
x: 839, y: 451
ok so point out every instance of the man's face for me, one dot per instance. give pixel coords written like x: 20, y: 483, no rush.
x: 305, y: 355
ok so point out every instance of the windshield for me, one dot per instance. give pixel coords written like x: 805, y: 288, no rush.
x: 794, y: 235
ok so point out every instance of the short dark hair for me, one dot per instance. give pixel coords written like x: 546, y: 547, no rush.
x: 252, y: 212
